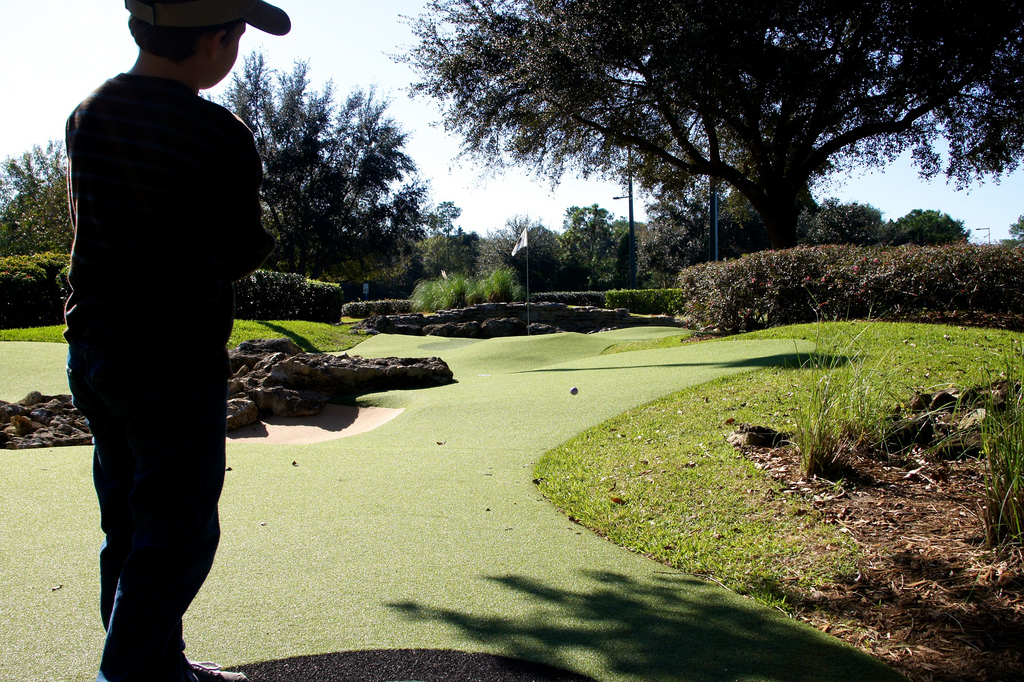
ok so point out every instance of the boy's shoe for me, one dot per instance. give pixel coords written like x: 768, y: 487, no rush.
x: 211, y: 672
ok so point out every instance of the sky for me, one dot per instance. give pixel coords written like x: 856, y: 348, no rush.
x: 55, y: 52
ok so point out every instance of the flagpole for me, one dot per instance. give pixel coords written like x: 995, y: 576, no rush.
x: 527, y: 247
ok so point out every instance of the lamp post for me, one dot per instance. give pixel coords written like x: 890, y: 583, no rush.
x: 632, y: 232
x: 713, y: 237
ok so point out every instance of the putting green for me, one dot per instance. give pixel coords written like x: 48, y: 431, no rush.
x: 424, y: 533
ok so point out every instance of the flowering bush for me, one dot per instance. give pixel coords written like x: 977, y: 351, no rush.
x: 803, y: 284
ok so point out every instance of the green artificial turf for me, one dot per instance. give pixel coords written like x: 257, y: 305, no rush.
x: 425, y: 533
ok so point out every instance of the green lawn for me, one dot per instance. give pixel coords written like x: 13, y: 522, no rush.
x: 312, y: 337
x: 661, y: 480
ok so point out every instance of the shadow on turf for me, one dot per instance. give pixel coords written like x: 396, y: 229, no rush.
x: 402, y: 665
x: 782, y: 359
x: 668, y: 627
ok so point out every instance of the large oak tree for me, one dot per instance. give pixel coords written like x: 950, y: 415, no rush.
x: 768, y: 97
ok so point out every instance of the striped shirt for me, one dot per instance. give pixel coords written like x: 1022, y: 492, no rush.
x: 164, y: 189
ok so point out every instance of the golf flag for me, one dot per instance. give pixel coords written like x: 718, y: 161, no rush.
x: 521, y: 244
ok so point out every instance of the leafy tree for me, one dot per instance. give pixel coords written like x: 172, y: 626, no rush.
x: 448, y: 249
x: 768, y: 97
x: 340, y: 192
x: 1017, y: 230
x: 545, y: 254
x: 34, y: 215
x: 925, y: 228
x: 590, y: 242
x: 836, y: 223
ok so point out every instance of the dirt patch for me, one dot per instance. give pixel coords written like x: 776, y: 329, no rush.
x: 930, y: 599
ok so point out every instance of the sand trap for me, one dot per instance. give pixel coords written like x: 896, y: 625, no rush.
x: 336, y: 421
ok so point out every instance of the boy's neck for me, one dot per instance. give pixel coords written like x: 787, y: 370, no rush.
x: 159, y: 67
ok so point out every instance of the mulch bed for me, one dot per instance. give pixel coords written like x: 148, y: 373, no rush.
x: 930, y: 599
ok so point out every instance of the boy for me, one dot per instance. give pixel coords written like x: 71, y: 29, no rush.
x: 164, y: 192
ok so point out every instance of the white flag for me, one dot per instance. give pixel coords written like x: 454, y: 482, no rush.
x: 521, y: 244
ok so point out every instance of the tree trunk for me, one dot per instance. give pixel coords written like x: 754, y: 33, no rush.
x: 779, y: 210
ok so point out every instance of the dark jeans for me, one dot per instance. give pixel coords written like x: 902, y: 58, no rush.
x: 158, y: 467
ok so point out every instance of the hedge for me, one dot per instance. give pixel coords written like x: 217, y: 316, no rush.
x: 595, y: 299
x: 386, y: 306
x: 266, y: 295
x: 647, y: 301
x: 804, y: 284
x: 32, y: 290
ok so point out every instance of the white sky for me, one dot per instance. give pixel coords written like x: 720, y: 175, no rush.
x: 54, y: 52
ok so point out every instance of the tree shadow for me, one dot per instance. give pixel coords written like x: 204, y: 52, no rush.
x: 406, y: 665
x: 779, y: 359
x: 668, y: 627
x: 300, y: 340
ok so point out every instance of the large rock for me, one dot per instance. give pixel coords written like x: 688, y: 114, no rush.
x: 282, y: 383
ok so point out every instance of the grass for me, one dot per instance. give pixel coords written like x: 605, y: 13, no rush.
x: 52, y: 334
x: 661, y: 479
x: 851, y: 399
x: 1002, y: 433
x: 459, y: 291
x: 312, y: 337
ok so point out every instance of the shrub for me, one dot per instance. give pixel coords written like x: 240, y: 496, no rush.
x: 385, y: 306
x: 647, y: 301
x: 774, y: 288
x: 594, y: 299
x: 266, y: 295
x: 32, y: 290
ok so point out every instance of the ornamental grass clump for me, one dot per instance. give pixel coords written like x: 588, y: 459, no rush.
x: 458, y: 291
x: 501, y: 286
x: 1002, y: 435
x: 850, y: 401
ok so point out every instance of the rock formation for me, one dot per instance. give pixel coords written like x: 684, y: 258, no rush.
x: 271, y: 377
x: 42, y: 421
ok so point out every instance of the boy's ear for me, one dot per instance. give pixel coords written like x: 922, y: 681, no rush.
x: 210, y: 44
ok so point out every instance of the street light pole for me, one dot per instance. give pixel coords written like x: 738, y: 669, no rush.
x: 632, y: 230
x: 713, y: 237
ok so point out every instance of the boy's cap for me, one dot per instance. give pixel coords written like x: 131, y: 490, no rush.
x: 197, y: 13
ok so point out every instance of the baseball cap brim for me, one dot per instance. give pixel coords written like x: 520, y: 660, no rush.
x: 266, y: 17
x: 198, y: 13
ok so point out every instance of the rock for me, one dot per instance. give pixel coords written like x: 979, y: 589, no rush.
x: 502, y: 326
x: 942, y: 399
x: 461, y: 330
x: 264, y: 346
x: 34, y: 398
x: 756, y: 436
x: 972, y: 420
x: 376, y: 324
x: 250, y: 353
x: 242, y: 412
x: 285, y: 402
x: 344, y: 375
x: 538, y: 329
